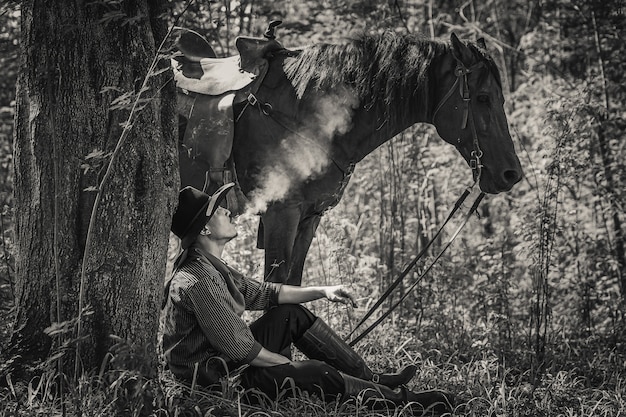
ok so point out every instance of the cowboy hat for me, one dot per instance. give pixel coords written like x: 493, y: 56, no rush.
x: 194, y: 210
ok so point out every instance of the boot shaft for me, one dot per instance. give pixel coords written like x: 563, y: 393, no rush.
x: 322, y: 343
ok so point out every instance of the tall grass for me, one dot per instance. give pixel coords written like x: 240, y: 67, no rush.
x: 484, y: 386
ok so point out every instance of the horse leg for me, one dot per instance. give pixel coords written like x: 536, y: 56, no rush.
x: 306, y: 231
x: 280, y: 226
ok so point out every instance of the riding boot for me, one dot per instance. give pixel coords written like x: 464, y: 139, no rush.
x: 380, y: 397
x: 322, y: 343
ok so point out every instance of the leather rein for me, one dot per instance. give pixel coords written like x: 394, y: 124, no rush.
x: 461, y: 72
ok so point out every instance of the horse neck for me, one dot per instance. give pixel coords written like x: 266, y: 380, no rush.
x: 374, y: 127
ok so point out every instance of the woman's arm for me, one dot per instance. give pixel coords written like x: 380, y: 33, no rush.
x: 291, y: 294
x: 267, y: 358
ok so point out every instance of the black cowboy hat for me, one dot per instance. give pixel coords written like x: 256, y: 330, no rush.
x: 194, y: 210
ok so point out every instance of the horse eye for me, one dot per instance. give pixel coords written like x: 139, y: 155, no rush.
x: 483, y: 98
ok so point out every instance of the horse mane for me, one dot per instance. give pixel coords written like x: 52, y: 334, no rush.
x: 387, y: 66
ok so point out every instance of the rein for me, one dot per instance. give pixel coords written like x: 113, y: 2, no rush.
x: 412, y: 264
x: 417, y: 281
x: 461, y: 72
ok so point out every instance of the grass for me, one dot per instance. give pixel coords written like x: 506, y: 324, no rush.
x: 582, y: 382
x: 580, y: 377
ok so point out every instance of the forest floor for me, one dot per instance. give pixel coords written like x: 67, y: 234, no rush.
x: 580, y: 378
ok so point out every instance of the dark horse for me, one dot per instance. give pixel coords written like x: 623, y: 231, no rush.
x: 323, y: 108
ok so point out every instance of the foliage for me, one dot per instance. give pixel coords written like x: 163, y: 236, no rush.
x: 524, y: 315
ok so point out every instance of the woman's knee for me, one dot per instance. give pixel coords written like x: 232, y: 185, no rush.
x: 297, y: 312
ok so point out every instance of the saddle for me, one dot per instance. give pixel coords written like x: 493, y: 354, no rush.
x: 214, y: 85
x: 197, y: 68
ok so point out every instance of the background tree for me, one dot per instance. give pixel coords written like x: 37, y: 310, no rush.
x: 9, y: 35
x: 81, y: 67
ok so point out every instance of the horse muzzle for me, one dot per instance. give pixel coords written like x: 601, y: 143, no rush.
x: 502, y: 180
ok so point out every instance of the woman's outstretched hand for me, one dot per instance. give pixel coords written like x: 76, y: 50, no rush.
x: 339, y: 294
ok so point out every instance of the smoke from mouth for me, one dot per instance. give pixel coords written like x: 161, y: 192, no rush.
x: 304, y: 154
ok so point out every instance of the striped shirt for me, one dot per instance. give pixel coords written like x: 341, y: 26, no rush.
x: 202, y: 315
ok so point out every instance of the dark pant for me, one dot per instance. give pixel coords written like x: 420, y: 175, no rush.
x: 276, y: 330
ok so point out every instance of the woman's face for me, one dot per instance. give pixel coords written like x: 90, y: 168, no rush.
x: 222, y: 226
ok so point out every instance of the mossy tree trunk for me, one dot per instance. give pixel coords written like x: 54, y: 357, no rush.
x: 71, y: 54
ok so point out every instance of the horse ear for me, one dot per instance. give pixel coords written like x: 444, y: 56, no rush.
x: 481, y: 42
x: 460, y: 50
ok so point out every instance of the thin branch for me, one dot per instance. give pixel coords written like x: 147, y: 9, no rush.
x: 531, y: 164
x: 396, y: 5
x: 501, y: 45
x: 431, y: 23
x: 596, y: 37
x: 5, y: 250
x: 605, y: 154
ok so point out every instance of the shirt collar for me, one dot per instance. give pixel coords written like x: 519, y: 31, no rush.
x: 210, y: 257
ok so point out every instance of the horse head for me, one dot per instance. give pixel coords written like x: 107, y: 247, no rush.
x: 470, y: 115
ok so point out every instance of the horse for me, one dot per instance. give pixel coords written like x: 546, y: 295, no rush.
x: 321, y: 109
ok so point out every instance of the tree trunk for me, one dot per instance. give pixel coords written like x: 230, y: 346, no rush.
x: 70, y: 53
x: 619, y: 250
x: 606, y: 157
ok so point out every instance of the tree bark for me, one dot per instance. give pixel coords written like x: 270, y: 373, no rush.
x: 70, y: 53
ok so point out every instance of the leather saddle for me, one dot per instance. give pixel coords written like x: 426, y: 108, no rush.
x: 212, y: 86
x: 198, y: 70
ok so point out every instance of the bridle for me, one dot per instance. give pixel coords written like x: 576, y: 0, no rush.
x: 461, y: 72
